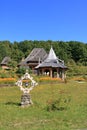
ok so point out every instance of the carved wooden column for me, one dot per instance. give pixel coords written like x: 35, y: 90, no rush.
x: 51, y: 72
x: 63, y: 75
x: 42, y: 71
x: 57, y: 72
x: 38, y: 72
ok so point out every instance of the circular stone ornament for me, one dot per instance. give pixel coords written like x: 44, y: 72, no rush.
x: 26, y: 84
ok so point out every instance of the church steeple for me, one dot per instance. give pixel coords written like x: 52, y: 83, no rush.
x: 50, y: 64
x: 51, y: 55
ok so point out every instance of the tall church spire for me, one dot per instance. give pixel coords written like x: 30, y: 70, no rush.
x: 51, y: 55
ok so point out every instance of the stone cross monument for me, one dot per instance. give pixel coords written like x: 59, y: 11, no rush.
x: 26, y: 84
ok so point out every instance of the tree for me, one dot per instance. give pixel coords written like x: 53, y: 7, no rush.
x: 5, y: 50
x: 78, y: 51
x: 12, y: 64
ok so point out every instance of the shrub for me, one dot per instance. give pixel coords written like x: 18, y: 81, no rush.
x: 59, y: 104
x: 21, y: 71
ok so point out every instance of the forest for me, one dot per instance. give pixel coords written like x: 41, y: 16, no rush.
x: 73, y: 53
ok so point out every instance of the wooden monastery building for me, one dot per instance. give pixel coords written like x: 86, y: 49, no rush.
x: 45, y: 64
x: 4, y: 63
x: 52, y: 66
x: 36, y: 56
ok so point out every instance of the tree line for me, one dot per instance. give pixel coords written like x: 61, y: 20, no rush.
x: 70, y: 52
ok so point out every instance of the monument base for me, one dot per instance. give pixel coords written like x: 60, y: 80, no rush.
x: 26, y: 100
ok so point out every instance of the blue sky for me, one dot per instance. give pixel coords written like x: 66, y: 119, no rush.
x: 64, y: 20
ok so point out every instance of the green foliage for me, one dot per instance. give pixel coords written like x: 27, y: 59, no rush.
x: 21, y: 71
x: 78, y: 51
x: 59, y: 104
x: 7, y: 74
x: 66, y: 51
x: 73, y: 53
x: 76, y: 69
x: 12, y: 64
x: 5, y: 49
x: 4, y: 75
x: 0, y: 68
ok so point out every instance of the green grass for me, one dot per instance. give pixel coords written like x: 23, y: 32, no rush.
x: 36, y: 117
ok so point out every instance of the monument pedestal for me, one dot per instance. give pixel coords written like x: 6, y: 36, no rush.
x: 26, y: 100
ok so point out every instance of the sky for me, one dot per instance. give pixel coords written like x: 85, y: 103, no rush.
x: 56, y: 20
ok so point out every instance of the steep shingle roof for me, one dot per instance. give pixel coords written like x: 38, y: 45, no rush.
x: 52, y: 55
x: 35, y: 55
x: 5, y: 60
x: 51, y: 61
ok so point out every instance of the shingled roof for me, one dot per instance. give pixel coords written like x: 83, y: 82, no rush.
x: 52, y: 55
x: 5, y: 60
x: 51, y: 61
x: 35, y: 55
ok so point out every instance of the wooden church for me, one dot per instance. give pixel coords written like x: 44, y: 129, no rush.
x: 44, y: 64
x: 36, y: 56
x: 52, y: 66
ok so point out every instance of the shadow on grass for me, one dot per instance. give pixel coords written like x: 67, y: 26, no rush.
x: 13, y: 103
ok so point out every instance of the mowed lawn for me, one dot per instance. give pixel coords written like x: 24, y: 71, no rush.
x: 37, y: 117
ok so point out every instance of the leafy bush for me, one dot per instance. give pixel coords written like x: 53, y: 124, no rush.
x: 7, y: 74
x: 59, y: 104
x: 21, y: 71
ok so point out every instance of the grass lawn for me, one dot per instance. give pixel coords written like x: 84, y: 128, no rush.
x: 36, y: 117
